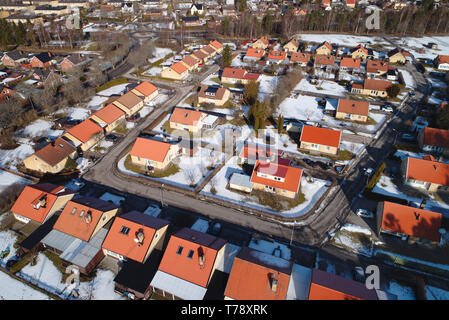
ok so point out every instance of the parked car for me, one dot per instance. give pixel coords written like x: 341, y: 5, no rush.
x: 368, y: 171
x: 364, y: 213
x: 359, y: 274
x: 111, y: 137
x: 133, y: 118
x: 407, y: 137
x: 387, y: 108
x: 323, y: 165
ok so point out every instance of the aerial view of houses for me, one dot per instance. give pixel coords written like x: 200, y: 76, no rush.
x: 224, y: 150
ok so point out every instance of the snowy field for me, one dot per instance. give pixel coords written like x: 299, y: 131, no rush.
x: 10, y: 158
x: 274, y: 248
x: 40, y: 128
x: 159, y: 53
x: 154, y: 71
x: 343, y: 39
x: 311, y: 191
x: 267, y: 84
x: 7, y: 179
x: 189, y: 167
x: 117, y: 90
x: 343, y: 238
x: 95, y: 102
x: 327, y: 87
x: 12, y: 289
x: 78, y: 113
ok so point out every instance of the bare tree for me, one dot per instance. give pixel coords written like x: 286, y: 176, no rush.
x: 190, y: 175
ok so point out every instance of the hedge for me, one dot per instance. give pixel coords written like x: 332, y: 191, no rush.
x: 375, y: 178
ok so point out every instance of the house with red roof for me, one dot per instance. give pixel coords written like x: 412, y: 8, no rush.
x: 188, y: 264
x: 51, y: 158
x: 427, y: 174
x: 238, y: 76
x: 320, y: 140
x: 79, y: 232
x: 434, y: 140
x: 300, y: 58
x: 191, y: 62
x: 217, y: 46
x: 85, y: 134
x: 360, y: 52
x: 350, y: 3
x: 129, y: 102
x: 353, y: 110
x: 153, y: 154
x: 442, y: 62
x: 258, y: 276
x: 252, y: 152
x: 187, y: 119
x: 134, y: 235
x: 415, y: 225
x: 253, y: 54
x: 201, y: 55
x: 376, y: 68
x: 261, y: 43
x: 40, y: 201
x: 177, y: 71
x: 276, y: 178
x: 349, y: 64
x: 325, y: 48
x: 217, y: 96
x: 372, y: 87
x: 328, y: 286
x: 108, y: 117
x: 146, y: 91
x: 324, y: 61
x: 276, y: 57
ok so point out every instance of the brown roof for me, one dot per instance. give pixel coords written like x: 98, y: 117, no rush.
x: 353, y: 107
x: 190, y: 61
x: 209, y: 49
x: 200, y: 54
x: 373, y: 84
x: 178, y: 67
x: 324, y: 60
x: 235, y: 73
x: 55, y: 153
x: 129, y: 100
x: 212, y: 92
x: 436, y: 137
x: 110, y: 113
x: 373, y: 66
x: 300, y: 57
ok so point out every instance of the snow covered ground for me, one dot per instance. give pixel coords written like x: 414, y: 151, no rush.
x: 325, y: 87
x: 267, y: 84
x: 78, y: 113
x: 154, y: 71
x: 274, y: 248
x: 95, y: 102
x: 40, y: 128
x: 12, y: 289
x: 113, y: 90
x: 159, y: 53
x: 10, y: 158
x: 408, y: 79
x: 112, y: 198
x: 7, y: 179
x: 347, y: 238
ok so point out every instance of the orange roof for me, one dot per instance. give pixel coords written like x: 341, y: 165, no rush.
x: 110, y: 113
x: 252, y: 276
x: 379, y: 85
x: 325, y: 43
x: 185, y: 116
x: 300, y: 57
x: 443, y: 58
x: 436, y: 137
x: 322, y: 136
x: 217, y: 45
x: 178, y: 67
x: 146, y: 88
x: 291, y: 176
x: 412, y: 221
x: 328, y: 286
x: 200, y: 54
x: 29, y: 203
x: 373, y: 66
x: 235, y: 73
x: 277, y: 55
x: 123, y: 241
x: 258, y: 151
x: 85, y: 130
x: 256, y: 53
x: 428, y: 171
x: 53, y: 153
x: 353, y: 107
x: 190, y: 60
x: 74, y: 218
x: 350, y: 63
x: 359, y: 46
x: 185, y: 263
x: 263, y: 40
x: 324, y: 60
x: 150, y: 149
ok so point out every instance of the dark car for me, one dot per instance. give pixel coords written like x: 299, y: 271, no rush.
x: 133, y: 118
x: 323, y: 165
x: 111, y: 137
x: 309, y: 162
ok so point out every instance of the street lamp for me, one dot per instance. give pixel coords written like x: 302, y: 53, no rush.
x: 162, y: 196
x: 395, y: 136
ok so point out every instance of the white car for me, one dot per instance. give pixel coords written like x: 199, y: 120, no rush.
x: 387, y: 108
x: 368, y: 171
x: 364, y: 213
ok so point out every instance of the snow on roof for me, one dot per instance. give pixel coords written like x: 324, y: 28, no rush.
x: 269, y: 259
x: 112, y: 198
x: 210, y: 119
x: 241, y: 180
x: 274, y: 248
x: 178, y: 287
x: 200, y: 225
x: 298, y: 287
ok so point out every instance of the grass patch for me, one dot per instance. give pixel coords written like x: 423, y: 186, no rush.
x: 111, y: 83
x: 172, y: 169
x: 166, y: 127
x: 237, y: 121
x: 276, y: 202
x: 361, y: 241
x: 121, y: 129
x: 70, y: 164
x: 216, y: 80
x: 19, y: 265
x: 53, y: 257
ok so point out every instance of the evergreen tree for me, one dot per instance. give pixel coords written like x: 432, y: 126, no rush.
x: 227, y: 56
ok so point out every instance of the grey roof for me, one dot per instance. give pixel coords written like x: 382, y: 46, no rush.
x: 266, y: 260
x: 200, y: 238
x: 144, y: 219
x: 95, y: 203
x: 74, y: 250
x: 241, y: 180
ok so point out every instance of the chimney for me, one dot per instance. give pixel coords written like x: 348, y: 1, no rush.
x: 200, y: 256
x: 274, y: 282
x: 53, y: 143
x: 88, y: 217
x: 139, y: 236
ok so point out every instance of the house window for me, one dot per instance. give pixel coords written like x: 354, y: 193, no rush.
x: 124, y: 230
x: 179, y: 250
x: 73, y: 211
x: 190, y: 255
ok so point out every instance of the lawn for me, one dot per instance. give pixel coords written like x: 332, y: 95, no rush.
x: 172, y: 169
x: 277, y: 203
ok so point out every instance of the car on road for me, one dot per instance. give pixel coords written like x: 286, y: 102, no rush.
x: 407, y: 137
x: 133, y: 118
x: 364, y: 213
x: 387, y: 108
x: 368, y: 171
x: 111, y: 137
x: 309, y: 162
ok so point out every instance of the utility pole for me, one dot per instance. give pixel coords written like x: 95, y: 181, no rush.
x: 162, y: 196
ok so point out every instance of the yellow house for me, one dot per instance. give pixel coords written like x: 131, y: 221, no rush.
x: 396, y: 56
x: 352, y: 110
x: 146, y: 91
x: 261, y: 43
x: 320, y: 140
x: 214, y: 95
x: 153, y: 154
x: 85, y: 135
x: 291, y: 46
x: 177, y: 71
x: 372, y: 87
x: 359, y: 52
x: 186, y: 119
x: 52, y: 158
x: 324, y: 49
x: 130, y: 103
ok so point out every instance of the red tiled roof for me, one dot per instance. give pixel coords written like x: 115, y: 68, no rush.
x: 411, y: 221
x: 256, y: 53
x: 359, y: 46
x: 251, y: 76
x: 190, y: 60
x: 85, y: 130
x: 436, y: 137
x: 185, y: 116
x: 259, y: 152
x: 324, y: 60
x: 322, y: 136
x: 146, y: 88
x: 27, y: 204
x: 373, y: 66
x: 379, y: 85
x: 277, y: 55
x: 428, y: 171
x: 110, y: 113
x: 124, y: 243
x: 197, y: 244
x: 150, y: 149
x: 178, y: 67
x: 291, y: 175
x: 235, y: 73
x: 217, y: 45
x: 443, y: 58
x: 350, y: 63
x: 55, y: 153
x: 300, y: 57
x: 353, y: 107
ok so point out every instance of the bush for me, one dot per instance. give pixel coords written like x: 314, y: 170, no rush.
x: 19, y: 265
x: 70, y: 164
x: 9, y: 196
